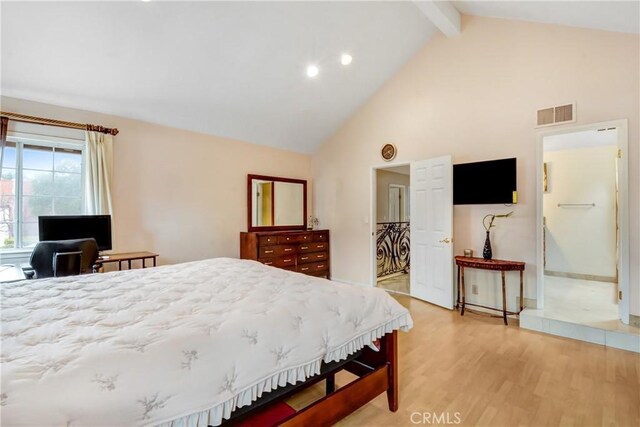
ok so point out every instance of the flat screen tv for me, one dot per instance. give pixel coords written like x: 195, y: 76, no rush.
x: 65, y: 227
x: 484, y: 183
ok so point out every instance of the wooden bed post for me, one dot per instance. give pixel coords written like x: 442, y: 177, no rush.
x: 391, y: 355
x: 377, y: 372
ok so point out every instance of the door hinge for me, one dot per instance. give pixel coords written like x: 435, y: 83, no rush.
x: 619, y: 153
x: 620, y: 295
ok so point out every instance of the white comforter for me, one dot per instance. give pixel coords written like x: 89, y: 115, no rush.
x: 180, y: 345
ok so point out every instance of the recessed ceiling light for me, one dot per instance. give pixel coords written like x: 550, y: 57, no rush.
x: 312, y: 70
x: 346, y: 59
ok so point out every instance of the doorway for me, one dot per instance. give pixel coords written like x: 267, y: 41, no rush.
x: 583, y: 225
x: 393, y: 225
x: 414, y: 255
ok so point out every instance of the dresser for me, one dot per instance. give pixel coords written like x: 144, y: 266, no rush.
x: 302, y: 251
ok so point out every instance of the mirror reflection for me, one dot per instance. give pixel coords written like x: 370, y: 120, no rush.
x: 276, y: 203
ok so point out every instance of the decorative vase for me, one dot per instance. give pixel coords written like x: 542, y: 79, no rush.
x: 486, y: 251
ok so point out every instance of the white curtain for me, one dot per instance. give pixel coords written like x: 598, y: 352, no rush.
x: 98, y: 168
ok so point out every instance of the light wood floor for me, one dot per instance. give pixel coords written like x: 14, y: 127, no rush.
x: 494, y: 375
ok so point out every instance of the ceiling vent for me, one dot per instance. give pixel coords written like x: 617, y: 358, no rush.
x: 557, y: 115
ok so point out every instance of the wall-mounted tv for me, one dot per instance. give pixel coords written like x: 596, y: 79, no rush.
x: 64, y: 227
x: 484, y: 183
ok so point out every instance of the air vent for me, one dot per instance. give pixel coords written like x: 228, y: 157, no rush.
x: 557, y: 115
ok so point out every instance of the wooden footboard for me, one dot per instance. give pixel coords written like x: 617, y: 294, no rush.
x: 378, y: 373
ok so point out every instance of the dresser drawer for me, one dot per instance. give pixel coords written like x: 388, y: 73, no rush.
x: 268, y: 261
x: 312, y: 257
x: 268, y: 240
x: 305, y: 237
x: 278, y: 250
x: 321, y: 236
x: 313, y: 247
x: 287, y: 239
x: 284, y: 261
x: 313, y: 267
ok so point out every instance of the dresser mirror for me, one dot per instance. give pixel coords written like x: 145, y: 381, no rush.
x: 276, y: 203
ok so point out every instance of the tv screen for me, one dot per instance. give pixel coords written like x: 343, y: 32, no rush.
x: 77, y: 227
x: 481, y: 183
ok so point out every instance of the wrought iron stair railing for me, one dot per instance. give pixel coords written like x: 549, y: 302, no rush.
x: 392, y: 248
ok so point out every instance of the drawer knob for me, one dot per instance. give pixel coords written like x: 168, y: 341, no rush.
x: 304, y: 247
x: 268, y: 263
x: 304, y: 258
x: 320, y: 256
x: 287, y: 260
x: 304, y: 268
x: 320, y: 266
x: 268, y: 252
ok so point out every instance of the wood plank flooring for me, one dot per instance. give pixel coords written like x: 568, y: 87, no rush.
x: 492, y: 375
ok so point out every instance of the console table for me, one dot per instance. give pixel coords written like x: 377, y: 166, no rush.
x: 490, y: 264
x: 128, y: 257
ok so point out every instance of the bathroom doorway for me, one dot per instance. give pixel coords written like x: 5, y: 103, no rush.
x: 583, y: 250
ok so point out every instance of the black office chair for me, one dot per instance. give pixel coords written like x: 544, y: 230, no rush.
x: 58, y: 258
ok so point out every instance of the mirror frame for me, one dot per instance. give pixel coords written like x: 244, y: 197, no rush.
x: 250, y: 225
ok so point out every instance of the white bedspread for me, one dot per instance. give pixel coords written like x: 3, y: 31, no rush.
x: 180, y: 345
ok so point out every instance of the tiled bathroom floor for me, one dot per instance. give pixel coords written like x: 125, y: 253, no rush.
x: 581, y: 301
x: 582, y: 310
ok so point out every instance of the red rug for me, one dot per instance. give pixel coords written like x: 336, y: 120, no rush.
x: 269, y: 416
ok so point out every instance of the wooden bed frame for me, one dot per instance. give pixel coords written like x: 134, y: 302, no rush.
x: 377, y: 373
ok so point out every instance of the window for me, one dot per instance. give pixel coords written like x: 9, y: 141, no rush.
x: 38, y: 178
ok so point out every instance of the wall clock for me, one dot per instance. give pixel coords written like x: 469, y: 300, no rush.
x: 388, y: 152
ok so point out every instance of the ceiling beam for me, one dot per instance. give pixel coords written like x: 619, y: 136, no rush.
x: 443, y: 14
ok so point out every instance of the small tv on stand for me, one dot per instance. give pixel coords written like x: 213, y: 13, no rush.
x: 66, y: 227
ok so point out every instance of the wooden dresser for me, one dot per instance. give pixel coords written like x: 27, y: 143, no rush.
x: 302, y: 251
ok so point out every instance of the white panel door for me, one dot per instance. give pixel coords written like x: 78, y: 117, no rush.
x: 432, y: 230
x: 394, y: 204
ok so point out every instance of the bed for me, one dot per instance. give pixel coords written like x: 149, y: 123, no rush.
x: 189, y: 344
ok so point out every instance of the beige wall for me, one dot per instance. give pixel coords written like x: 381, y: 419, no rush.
x: 179, y: 193
x: 383, y: 180
x: 581, y: 240
x: 475, y: 96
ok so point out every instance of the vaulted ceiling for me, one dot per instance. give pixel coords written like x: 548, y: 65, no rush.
x: 237, y: 69
x: 232, y: 69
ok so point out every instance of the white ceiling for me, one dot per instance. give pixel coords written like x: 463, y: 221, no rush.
x: 237, y: 69
x: 621, y: 16
x: 233, y: 69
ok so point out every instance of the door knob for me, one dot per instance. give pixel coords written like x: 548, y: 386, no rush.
x: 446, y: 240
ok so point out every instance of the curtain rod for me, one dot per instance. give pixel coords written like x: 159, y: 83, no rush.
x: 59, y: 123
